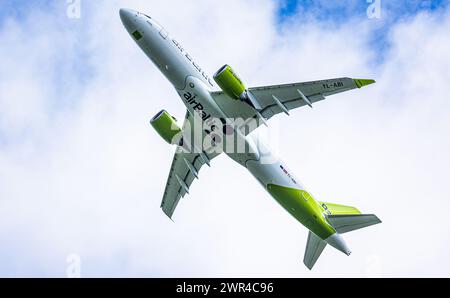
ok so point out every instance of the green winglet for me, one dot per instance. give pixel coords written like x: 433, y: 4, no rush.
x: 363, y: 82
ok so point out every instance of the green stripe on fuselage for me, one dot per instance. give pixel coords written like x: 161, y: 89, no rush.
x: 301, y: 205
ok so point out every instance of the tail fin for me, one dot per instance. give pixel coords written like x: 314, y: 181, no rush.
x: 335, y: 209
x: 343, y: 219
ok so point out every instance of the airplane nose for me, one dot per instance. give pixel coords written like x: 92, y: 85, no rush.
x: 126, y: 15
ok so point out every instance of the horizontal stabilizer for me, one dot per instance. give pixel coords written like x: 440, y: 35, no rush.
x: 336, y: 209
x: 314, y: 248
x: 346, y: 223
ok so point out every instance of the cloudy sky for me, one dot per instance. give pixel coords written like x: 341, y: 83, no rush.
x: 82, y: 173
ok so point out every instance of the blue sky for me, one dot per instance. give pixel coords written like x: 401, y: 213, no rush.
x: 336, y: 13
x: 341, y: 10
x: 21, y: 8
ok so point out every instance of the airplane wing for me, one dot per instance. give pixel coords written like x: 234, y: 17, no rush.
x: 283, y: 98
x: 185, y: 168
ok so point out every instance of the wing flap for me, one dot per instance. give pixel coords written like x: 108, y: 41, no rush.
x: 183, y: 171
x: 283, y: 98
x: 314, y: 90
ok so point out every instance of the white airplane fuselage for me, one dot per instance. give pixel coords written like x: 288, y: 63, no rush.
x: 194, y: 87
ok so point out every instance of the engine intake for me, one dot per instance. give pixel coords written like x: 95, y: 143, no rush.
x: 229, y: 82
x: 166, y: 126
x: 232, y: 86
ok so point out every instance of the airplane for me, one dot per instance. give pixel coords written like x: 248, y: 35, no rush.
x: 221, y: 118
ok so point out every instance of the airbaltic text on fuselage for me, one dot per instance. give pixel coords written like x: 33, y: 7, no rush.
x: 197, y: 106
x: 202, y: 72
x: 206, y: 133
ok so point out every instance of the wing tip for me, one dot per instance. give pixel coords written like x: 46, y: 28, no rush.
x: 363, y: 82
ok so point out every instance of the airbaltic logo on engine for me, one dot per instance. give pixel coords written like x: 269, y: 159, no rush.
x: 190, y: 99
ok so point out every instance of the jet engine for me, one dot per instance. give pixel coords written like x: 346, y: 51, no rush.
x: 232, y: 86
x: 166, y: 126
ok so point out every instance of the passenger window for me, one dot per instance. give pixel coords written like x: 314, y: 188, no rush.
x: 163, y: 33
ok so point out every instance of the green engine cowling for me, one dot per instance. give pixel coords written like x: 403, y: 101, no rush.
x: 230, y: 83
x: 166, y: 126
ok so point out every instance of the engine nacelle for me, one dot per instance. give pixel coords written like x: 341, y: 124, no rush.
x: 232, y: 86
x: 166, y: 126
x: 230, y: 83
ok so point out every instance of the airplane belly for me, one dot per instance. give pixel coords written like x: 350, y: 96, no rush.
x: 166, y: 58
x: 198, y: 100
x: 268, y: 168
x: 290, y: 194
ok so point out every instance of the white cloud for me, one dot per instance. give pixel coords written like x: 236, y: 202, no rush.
x: 86, y: 175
